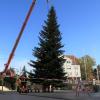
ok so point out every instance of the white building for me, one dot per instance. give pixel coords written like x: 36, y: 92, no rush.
x: 72, y: 68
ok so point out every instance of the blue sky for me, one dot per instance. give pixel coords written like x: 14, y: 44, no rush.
x: 79, y: 23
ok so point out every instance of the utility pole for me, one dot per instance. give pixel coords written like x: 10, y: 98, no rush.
x: 85, y: 68
x: 97, y: 74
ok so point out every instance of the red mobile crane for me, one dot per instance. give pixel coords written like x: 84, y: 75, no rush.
x: 4, y: 73
x: 16, y: 44
x: 19, y: 37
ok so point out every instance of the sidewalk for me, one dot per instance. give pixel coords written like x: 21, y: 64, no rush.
x: 4, y: 88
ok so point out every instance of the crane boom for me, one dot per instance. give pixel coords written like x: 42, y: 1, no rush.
x: 19, y: 36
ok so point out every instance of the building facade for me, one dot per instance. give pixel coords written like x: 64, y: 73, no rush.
x: 72, y: 68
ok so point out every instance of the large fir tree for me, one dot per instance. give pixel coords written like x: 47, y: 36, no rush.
x: 49, y: 52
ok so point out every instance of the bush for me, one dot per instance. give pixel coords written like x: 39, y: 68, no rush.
x: 11, y: 81
x: 0, y: 82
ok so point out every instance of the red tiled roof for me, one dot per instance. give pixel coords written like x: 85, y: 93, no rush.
x: 74, y: 59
